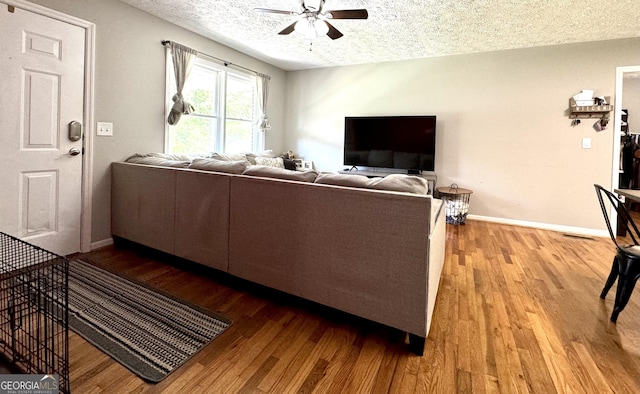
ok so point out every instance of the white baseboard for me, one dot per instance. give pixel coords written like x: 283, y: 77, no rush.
x: 101, y: 244
x: 544, y: 226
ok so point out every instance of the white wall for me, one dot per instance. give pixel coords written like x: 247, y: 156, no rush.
x: 503, y: 128
x: 130, y: 83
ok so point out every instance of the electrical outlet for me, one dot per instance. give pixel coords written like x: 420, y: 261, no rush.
x: 104, y: 129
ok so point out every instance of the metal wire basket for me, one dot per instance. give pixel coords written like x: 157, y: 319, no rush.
x: 456, y: 202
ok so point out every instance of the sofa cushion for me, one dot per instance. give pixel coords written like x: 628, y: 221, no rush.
x: 346, y: 180
x: 160, y: 160
x: 238, y: 156
x: 392, y: 182
x: 270, y: 161
x: 227, y: 156
x: 168, y: 156
x: 231, y: 167
x: 281, y: 173
x: 403, y: 183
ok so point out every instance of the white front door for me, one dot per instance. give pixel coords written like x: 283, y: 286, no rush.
x: 41, y: 93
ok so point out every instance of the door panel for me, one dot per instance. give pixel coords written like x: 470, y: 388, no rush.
x: 38, y: 198
x: 40, y: 110
x: 42, y: 61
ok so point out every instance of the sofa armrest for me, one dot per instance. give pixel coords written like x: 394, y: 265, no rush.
x: 436, y: 256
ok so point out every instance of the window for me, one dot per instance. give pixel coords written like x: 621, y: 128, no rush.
x: 225, y: 111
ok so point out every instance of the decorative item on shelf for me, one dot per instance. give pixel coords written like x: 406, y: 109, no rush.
x: 300, y: 165
x: 590, y: 110
x: 584, y: 105
x: 288, y: 159
x: 456, y: 202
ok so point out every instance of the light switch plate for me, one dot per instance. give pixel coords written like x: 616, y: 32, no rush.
x: 104, y: 129
x: 586, y: 143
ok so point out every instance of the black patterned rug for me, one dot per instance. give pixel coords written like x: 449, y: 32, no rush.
x: 147, y: 331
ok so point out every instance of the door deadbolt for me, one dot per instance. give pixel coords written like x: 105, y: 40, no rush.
x: 75, y: 131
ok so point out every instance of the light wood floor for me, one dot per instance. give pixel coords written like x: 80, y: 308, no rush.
x: 518, y: 311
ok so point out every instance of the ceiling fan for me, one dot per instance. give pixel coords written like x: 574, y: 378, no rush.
x: 315, y: 21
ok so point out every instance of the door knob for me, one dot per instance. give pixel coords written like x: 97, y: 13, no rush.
x: 74, y: 151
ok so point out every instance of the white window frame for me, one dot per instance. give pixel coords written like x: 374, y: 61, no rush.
x: 258, y: 137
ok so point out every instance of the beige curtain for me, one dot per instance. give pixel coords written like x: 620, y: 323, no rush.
x: 183, y: 59
x: 262, y: 82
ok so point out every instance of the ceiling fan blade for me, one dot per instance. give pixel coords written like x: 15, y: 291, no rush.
x: 333, y: 33
x: 289, y: 29
x: 320, y: 6
x: 270, y: 11
x: 347, y: 14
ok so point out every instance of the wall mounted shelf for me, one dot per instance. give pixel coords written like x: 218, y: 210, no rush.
x: 592, y: 110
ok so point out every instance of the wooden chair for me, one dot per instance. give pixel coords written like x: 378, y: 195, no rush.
x: 626, y: 263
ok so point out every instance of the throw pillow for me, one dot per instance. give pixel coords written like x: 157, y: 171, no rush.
x: 231, y: 167
x: 265, y: 153
x: 270, y: 161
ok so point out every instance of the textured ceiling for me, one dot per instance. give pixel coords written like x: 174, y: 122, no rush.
x: 400, y: 29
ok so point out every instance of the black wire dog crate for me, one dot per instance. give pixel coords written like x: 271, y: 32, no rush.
x: 34, y: 317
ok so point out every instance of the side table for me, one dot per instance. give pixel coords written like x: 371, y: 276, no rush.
x: 456, y: 202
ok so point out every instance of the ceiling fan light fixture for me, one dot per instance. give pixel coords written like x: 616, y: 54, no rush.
x: 314, y: 21
x: 321, y: 27
x: 301, y: 26
x: 311, y: 28
x: 307, y: 28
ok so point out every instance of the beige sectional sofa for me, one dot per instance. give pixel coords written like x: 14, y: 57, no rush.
x: 376, y: 254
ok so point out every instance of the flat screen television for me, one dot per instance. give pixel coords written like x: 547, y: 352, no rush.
x: 394, y: 142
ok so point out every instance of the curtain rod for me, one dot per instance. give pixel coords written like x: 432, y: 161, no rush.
x: 225, y: 62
